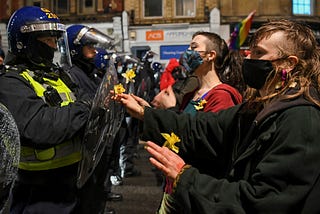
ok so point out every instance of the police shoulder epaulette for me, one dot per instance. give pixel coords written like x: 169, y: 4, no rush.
x: 13, y: 68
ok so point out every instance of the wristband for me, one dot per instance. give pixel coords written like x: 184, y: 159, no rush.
x: 186, y: 166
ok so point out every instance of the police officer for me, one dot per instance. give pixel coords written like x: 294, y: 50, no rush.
x: 51, y: 114
x: 84, y: 43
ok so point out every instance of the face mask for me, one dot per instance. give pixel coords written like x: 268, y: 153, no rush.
x: 256, y: 71
x: 41, y: 53
x: 191, y: 60
x: 130, y: 66
x: 150, y: 59
x: 119, y: 69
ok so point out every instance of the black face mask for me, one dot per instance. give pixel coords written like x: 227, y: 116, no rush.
x: 256, y: 71
x: 40, y: 53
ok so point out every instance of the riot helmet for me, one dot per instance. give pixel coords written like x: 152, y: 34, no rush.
x: 101, y: 59
x: 80, y: 35
x: 36, y: 34
x: 157, y: 66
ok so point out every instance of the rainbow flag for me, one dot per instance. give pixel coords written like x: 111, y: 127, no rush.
x: 240, y: 32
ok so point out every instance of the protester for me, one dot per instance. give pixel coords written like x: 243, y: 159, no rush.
x: 180, y: 80
x: 218, y: 71
x: 9, y: 156
x: 265, y: 151
x: 51, y: 113
x: 166, y: 78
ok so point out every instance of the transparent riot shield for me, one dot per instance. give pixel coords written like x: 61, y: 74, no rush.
x: 103, y: 123
x: 9, y: 155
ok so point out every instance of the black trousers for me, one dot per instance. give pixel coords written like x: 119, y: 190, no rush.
x: 55, y: 191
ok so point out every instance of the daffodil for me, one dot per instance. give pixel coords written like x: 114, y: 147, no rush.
x: 170, y: 141
x: 129, y: 75
x: 119, y: 89
x: 200, y: 105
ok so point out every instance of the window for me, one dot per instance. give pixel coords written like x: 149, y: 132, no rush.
x: 139, y: 51
x: 185, y: 8
x: 302, y: 7
x: 61, y: 6
x: 152, y: 8
x: 37, y: 3
x: 86, y: 6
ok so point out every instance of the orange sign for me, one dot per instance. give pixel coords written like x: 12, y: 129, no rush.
x: 154, y: 35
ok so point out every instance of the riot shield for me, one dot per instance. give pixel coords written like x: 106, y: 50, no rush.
x: 103, y: 123
x: 9, y: 155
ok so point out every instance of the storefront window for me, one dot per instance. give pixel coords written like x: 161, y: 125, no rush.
x: 185, y: 7
x: 302, y: 7
x: 152, y: 8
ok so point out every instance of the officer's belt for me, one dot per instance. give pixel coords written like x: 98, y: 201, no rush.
x: 55, y: 157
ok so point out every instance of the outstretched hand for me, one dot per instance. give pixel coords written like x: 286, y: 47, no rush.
x: 134, y: 104
x: 165, y: 99
x: 165, y: 160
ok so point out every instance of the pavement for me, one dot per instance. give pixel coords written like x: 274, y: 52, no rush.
x: 141, y: 194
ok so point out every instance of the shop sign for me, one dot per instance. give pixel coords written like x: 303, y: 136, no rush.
x: 154, y: 35
x: 172, y: 51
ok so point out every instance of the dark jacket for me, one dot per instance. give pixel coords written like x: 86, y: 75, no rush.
x: 184, y: 87
x: 43, y: 126
x: 85, y: 75
x: 265, y: 163
x: 32, y: 114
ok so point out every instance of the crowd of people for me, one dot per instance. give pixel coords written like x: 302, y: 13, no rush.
x: 263, y: 154
x: 230, y: 133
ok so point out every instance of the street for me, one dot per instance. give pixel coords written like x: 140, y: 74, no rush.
x: 142, y: 194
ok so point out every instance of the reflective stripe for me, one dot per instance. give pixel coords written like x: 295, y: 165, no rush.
x: 54, y: 157
x: 65, y: 93
x: 60, y: 155
x: 42, y: 27
x: 51, y: 164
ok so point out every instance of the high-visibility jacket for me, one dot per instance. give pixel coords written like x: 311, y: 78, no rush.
x: 61, y: 155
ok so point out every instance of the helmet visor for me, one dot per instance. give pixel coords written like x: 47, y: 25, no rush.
x: 57, y: 53
x: 38, y: 27
x: 92, y: 36
x: 62, y: 53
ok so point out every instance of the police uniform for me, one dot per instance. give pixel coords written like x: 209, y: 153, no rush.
x: 50, y: 112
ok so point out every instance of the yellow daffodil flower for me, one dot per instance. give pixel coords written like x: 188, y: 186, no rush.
x: 129, y: 75
x: 170, y: 141
x: 200, y: 105
x: 119, y: 89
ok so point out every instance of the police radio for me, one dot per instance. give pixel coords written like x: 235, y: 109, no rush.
x: 52, y: 96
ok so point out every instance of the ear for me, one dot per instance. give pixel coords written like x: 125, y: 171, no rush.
x: 211, y: 55
x: 293, y: 61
